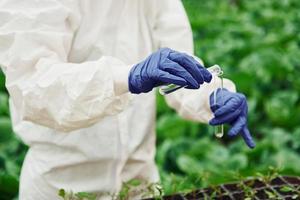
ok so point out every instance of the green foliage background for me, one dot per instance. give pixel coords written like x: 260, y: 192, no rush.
x: 257, y: 43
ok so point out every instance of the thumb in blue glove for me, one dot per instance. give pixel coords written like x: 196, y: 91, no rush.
x: 167, y: 66
x: 233, y: 111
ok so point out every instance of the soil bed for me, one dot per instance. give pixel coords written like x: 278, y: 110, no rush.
x: 281, y: 187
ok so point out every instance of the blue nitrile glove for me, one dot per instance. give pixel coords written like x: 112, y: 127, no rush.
x: 233, y: 111
x: 167, y: 66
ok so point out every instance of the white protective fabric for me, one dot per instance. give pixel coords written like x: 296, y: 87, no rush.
x: 66, y: 64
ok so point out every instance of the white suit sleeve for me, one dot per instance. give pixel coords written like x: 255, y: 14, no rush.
x: 173, y: 30
x: 35, y: 40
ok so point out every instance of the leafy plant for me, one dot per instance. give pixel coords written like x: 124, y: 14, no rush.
x: 271, y: 194
x: 134, y: 187
x: 270, y: 175
x: 76, y: 196
x: 291, y: 189
x: 247, y: 189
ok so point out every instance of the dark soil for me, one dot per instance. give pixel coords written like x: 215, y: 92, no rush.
x: 282, y: 187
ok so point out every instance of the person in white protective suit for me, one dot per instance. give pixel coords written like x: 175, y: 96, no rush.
x: 81, y: 88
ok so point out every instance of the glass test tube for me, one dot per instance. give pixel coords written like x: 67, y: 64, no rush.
x: 167, y: 89
x: 219, y: 129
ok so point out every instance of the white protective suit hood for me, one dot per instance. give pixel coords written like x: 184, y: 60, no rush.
x: 66, y: 64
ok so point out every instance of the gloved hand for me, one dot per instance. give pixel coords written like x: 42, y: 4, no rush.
x: 167, y: 66
x: 231, y: 109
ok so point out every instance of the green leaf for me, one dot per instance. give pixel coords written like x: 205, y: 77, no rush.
x: 9, y: 185
x: 270, y: 194
x: 6, y: 131
x: 86, y: 196
x: 2, y: 81
x: 189, y: 165
x: 281, y: 108
x: 134, y: 182
x: 4, y: 110
x: 62, y: 193
x: 286, y: 189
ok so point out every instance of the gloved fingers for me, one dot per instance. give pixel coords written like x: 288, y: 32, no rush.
x: 226, y: 118
x: 189, y: 64
x: 230, y: 106
x: 205, y: 73
x: 237, y: 126
x: 247, y: 137
x: 168, y: 78
x: 214, y: 107
x: 177, y: 70
x: 189, y: 87
x: 214, y: 102
x: 218, y: 94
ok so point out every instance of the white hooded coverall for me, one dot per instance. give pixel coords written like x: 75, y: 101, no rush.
x: 66, y: 64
